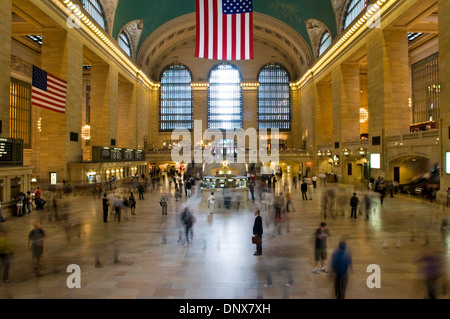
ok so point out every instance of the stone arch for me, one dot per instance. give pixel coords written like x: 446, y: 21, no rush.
x: 134, y: 30
x: 316, y: 29
x: 178, y: 35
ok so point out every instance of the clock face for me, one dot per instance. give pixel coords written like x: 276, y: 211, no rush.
x: 225, y: 163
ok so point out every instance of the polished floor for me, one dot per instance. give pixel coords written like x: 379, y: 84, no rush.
x: 142, y: 258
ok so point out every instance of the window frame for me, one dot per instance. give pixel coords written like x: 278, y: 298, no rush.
x: 211, y: 86
x: 350, y: 8
x: 261, y: 84
x: 128, y: 50
x: 160, y: 122
x: 320, y: 49
x: 20, y: 109
x: 99, y: 8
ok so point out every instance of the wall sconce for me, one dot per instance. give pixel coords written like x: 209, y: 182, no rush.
x: 346, y: 152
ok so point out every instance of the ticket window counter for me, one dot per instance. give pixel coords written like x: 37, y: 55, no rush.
x: 212, y: 182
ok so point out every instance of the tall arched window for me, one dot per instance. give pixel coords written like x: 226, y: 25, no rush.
x: 325, y: 42
x: 274, y: 105
x: 125, y: 43
x: 94, y: 8
x: 225, y: 97
x: 175, y: 111
x: 353, y: 11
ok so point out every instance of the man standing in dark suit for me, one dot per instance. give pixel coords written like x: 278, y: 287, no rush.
x: 258, y: 231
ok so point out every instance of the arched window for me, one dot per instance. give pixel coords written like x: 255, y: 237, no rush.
x: 353, y: 11
x: 325, y: 42
x: 274, y: 105
x: 175, y: 111
x: 95, y: 10
x: 225, y: 98
x: 125, y: 43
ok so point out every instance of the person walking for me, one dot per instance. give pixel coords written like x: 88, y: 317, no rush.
x: 29, y: 202
x: 6, y: 253
x: 314, y: 181
x: 354, y: 202
x: 258, y: 231
x: 211, y: 201
x: 341, y: 261
x: 367, y: 205
x: 310, y: 190
x: 117, y: 207
x: 304, y: 189
x: 448, y: 197
x: 188, y: 219
x: 2, y: 219
x: 251, y: 188
x: 36, y: 244
x: 141, y: 191
x: 320, y: 248
x: 105, y: 203
x: 132, y: 203
x: 163, y: 202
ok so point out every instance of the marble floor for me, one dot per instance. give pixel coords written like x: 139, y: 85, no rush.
x: 151, y: 263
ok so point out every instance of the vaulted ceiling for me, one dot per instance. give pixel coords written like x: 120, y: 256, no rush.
x: 294, y: 13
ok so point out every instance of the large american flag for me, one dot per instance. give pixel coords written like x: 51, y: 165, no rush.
x: 48, y: 91
x: 224, y: 29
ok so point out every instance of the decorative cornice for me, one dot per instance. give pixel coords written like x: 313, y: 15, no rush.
x: 19, y: 65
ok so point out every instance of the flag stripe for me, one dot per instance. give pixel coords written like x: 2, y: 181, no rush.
x: 233, y: 37
x: 224, y: 38
x: 48, y: 91
x: 42, y: 102
x: 198, y: 23
x: 43, y: 97
x: 211, y: 27
x: 224, y: 29
x: 215, y: 27
x: 250, y: 35
x: 219, y: 31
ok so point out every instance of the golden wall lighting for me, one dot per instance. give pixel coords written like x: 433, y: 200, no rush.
x: 363, y: 115
x: 345, y: 38
x: 86, y: 132
x: 74, y: 9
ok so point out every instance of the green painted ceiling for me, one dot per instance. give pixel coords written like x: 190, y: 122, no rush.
x: 155, y: 13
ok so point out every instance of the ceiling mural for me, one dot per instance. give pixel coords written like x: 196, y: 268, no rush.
x: 294, y: 13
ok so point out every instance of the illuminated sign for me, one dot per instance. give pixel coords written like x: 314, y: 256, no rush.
x: 447, y: 162
x: 375, y: 161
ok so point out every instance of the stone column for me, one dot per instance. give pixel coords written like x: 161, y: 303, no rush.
x: 104, y: 95
x: 61, y: 57
x: 5, y: 64
x: 444, y: 79
x: 346, y: 102
x: 142, y: 109
x: 155, y: 139
x: 200, y: 100
x: 249, y: 107
x: 296, y: 133
x: 126, y: 115
x: 388, y: 92
x: 324, y: 114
